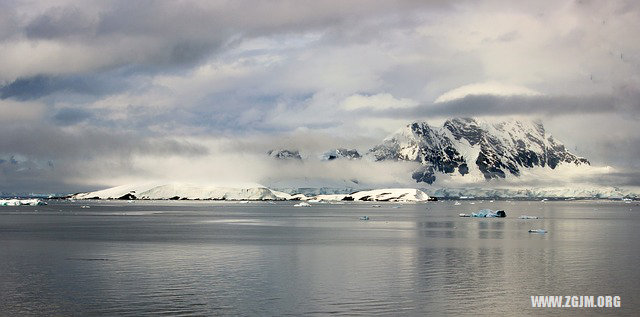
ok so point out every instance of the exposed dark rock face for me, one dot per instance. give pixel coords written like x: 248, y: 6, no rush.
x: 501, y: 148
x: 128, y: 196
x: 285, y: 154
x: 421, y: 143
x: 351, y: 154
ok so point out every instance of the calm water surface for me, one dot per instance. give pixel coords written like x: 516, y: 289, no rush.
x: 217, y: 258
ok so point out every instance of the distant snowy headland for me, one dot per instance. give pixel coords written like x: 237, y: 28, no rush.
x: 251, y: 192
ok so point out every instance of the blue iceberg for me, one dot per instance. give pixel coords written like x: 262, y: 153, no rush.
x: 486, y: 213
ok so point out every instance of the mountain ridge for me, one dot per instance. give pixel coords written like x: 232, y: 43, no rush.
x: 463, y: 145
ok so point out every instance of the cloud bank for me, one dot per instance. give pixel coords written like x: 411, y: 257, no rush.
x: 95, y: 92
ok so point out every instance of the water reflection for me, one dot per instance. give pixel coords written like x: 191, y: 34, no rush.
x: 203, y: 259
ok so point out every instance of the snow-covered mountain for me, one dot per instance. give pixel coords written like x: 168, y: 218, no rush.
x: 466, y: 145
x: 175, y: 191
x: 185, y: 191
x: 339, y: 153
x: 386, y: 194
x: 284, y: 154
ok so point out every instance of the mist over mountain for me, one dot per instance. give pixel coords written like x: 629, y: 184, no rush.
x: 351, y: 154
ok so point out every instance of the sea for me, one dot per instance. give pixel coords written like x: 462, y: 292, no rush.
x: 216, y: 258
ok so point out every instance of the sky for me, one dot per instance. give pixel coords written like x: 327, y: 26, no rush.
x: 100, y: 93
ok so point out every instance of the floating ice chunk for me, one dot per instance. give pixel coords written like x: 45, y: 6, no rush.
x: 538, y: 231
x: 486, y: 213
x: 457, y: 203
x: 528, y: 217
x: 22, y: 202
x: 302, y: 204
x: 85, y: 206
x: 364, y: 218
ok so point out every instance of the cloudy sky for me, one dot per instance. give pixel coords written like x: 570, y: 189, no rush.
x: 98, y: 93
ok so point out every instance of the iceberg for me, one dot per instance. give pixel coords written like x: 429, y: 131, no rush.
x: 22, y: 202
x: 528, y: 217
x: 486, y: 213
x: 302, y: 204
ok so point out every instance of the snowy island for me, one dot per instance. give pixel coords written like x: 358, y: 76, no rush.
x: 247, y: 192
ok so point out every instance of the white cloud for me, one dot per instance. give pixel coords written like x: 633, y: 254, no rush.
x: 376, y: 102
x: 327, y: 67
x: 487, y: 88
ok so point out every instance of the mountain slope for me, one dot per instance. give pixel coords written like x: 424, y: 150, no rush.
x: 465, y: 144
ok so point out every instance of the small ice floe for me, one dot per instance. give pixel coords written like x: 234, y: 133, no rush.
x: 376, y: 206
x: 537, y: 230
x: 302, y: 204
x: 243, y: 202
x: 528, y: 217
x: 457, y: 203
x: 486, y: 213
x: 22, y: 202
x: 85, y: 206
x: 472, y: 203
x: 364, y: 218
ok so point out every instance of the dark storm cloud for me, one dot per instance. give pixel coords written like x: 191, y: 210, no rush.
x: 39, y: 86
x: 60, y: 22
x: 69, y: 116
x: 491, y: 105
x: 167, y: 33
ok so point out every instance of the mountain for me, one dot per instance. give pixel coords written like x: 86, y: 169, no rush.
x: 284, y: 154
x: 466, y: 145
x: 177, y: 191
x: 386, y: 194
x: 351, y: 154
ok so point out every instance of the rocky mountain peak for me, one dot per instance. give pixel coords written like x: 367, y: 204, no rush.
x: 462, y: 144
